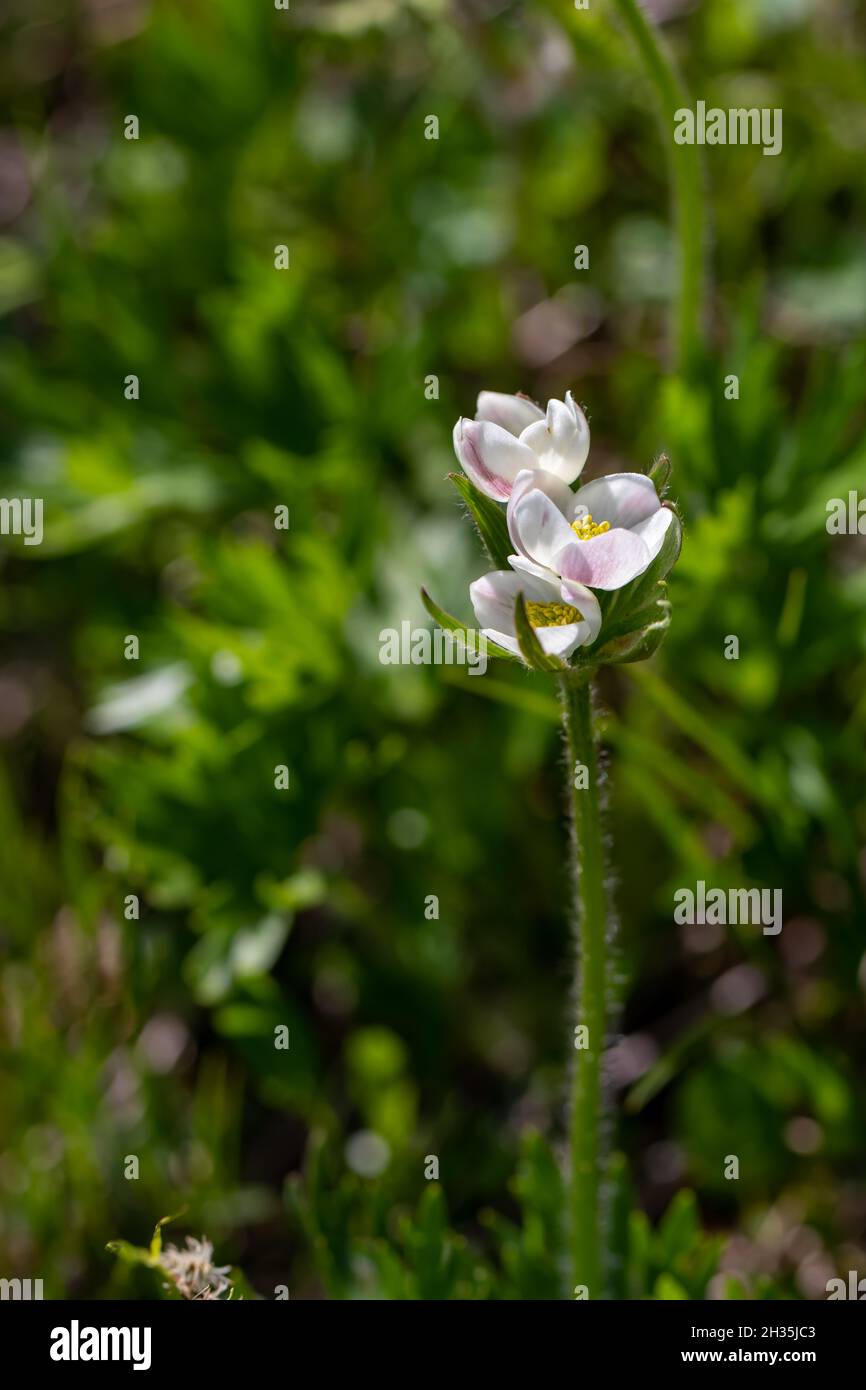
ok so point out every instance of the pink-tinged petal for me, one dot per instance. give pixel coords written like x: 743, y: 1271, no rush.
x: 493, y: 597
x: 538, y: 528
x: 490, y: 456
x: 623, y: 499
x: 653, y: 531
x: 561, y: 440
x: 554, y: 488
x: 513, y: 413
x: 587, y: 605
x: 606, y: 562
x: 492, y: 602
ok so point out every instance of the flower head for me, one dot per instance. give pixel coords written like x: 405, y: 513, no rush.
x: 511, y: 434
x: 193, y: 1272
x: 604, y: 535
x: 564, y: 615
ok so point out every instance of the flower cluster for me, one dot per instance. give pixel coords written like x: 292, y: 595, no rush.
x: 192, y: 1271
x: 563, y: 548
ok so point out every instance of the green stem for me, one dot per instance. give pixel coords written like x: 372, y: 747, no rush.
x: 587, y: 1100
x: 686, y: 177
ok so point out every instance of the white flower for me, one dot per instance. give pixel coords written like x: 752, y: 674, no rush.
x: 193, y: 1272
x: 564, y: 615
x: 511, y: 434
x: 603, y: 536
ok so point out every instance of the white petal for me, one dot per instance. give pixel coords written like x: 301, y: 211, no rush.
x: 493, y: 597
x: 490, y: 456
x: 561, y: 440
x: 538, y: 479
x: 623, y: 499
x: 513, y: 413
x: 560, y: 641
x: 520, y: 562
x: 502, y: 639
x: 653, y: 531
x: 538, y: 528
x: 587, y: 605
x: 548, y: 483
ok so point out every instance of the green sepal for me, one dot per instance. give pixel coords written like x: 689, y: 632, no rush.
x: 136, y: 1254
x: 624, y: 610
x: 132, y: 1254
x: 660, y: 474
x: 156, y: 1238
x: 451, y: 624
x: 489, y: 520
x: 531, y: 649
x: 639, y: 642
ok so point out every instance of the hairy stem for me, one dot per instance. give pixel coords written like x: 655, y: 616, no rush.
x: 587, y: 1099
x: 686, y: 176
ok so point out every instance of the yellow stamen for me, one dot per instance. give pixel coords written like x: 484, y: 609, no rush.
x: 552, y: 614
x: 585, y: 528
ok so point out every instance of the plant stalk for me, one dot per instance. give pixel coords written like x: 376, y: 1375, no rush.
x: 686, y: 177
x: 586, y: 1136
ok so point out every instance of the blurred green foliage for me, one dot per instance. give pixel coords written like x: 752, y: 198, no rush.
x: 305, y: 908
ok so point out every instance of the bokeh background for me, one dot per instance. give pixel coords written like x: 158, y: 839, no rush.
x: 409, y: 258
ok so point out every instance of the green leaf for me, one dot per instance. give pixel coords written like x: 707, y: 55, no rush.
x: 668, y: 1288
x: 451, y: 624
x: 540, y: 1242
x: 427, y: 1241
x: 489, y: 519
x: 640, y: 1253
x: 620, y: 1206
x: 734, y: 1289
x: 533, y: 653
x: 679, y: 1228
